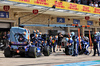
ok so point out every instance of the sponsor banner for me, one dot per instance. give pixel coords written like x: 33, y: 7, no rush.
x: 89, y: 22
x: 62, y: 5
x: 4, y: 14
x: 60, y: 20
x: 75, y: 21
x: 84, y: 8
x: 41, y: 2
x: 34, y: 2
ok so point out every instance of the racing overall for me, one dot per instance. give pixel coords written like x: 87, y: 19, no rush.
x: 98, y: 45
x: 75, y: 45
x: 54, y: 44
x: 50, y: 43
x: 69, y: 44
x: 86, y: 46
x: 39, y: 39
x: 95, y: 44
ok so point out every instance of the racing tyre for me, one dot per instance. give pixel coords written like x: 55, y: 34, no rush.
x: 46, y: 51
x: 7, y: 52
x: 32, y: 52
x: 66, y: 51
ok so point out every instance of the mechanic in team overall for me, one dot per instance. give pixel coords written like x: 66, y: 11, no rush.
x: 50, y: 43
x: 4, y: 39
x: 37, y: 32
x: 8, y: 37
x: 34, y: 33
x: 74, y: 38
x: 68, y: 45
x: 33, y: 36
x: 37, y: 44
x: 40, y: 38
x: 60, y: 37
x: 56, y: 41
x: 77, y: 45
x: 86, y: 45
x: 53, y: 43
x: 96, y: 43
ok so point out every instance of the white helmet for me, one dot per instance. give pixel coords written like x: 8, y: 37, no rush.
x: 72, y: 33
x: 71, y: 39
x: 67, y: 39
x: 86, y: 38
x: 96, y: 33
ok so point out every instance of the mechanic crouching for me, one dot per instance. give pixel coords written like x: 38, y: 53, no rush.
x: 37, y: 44
x: 86, y: 45
x: 69, y: 44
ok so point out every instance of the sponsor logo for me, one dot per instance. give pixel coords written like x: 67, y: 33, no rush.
x: 85, y: 8
x: 25, y: 0
x: 97, y: 10
x: 59, y: 4
x: 73, y: 6
x: 43, y: 2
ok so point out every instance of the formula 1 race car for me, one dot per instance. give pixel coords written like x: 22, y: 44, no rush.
x: 20, y: 44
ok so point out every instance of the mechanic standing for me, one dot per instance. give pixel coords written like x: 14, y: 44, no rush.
x: 74, y: 38
x: 5, y: 39
x: 50, y: 43
x: 56, y: 41
x: 95, y: 43
x: 53, y: 43
x: 98, y: 44
x: 8, y: 37
x: 60, y: 37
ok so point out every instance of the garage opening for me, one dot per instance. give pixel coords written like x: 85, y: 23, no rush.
x: 4, y: 27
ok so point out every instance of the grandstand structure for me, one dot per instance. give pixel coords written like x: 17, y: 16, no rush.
x: 64, y: 13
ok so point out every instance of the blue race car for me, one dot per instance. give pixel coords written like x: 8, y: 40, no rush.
x: 20, y: 44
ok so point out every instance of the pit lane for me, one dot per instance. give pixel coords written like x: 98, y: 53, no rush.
x: 54, y: 59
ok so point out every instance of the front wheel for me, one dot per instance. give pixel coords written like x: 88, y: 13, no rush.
x: 32, y: 52
x: 46, y: 51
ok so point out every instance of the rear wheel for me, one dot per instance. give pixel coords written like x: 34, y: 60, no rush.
x: 32, y: 52
x: 7, y: 52
x: 46, y: 51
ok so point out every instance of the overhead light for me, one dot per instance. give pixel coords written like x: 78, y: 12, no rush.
x: 71, y: 11
x: 80, y: 13
x: 60, y: 10
x: 96, y: 15
x: 38, y: 7
x: 89, y: 14
x: 6, y: 2
x: 24, y: 5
